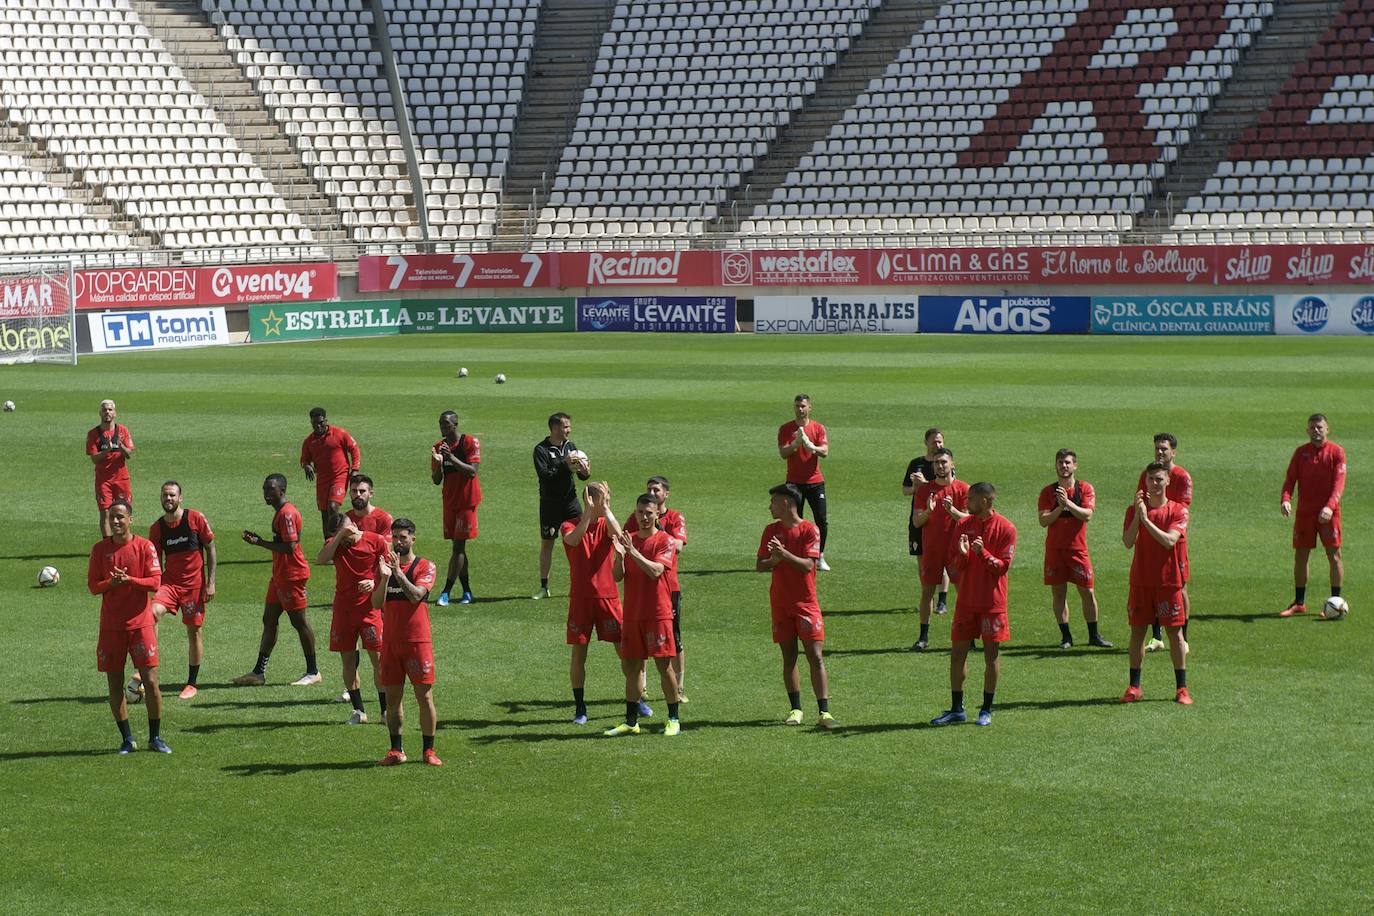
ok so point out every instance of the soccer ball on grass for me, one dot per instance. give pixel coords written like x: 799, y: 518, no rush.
x: 500, y: 378
x: 9, y: 407
x: 1335, y: 608
x: 463, y: 372
x: 48, y: 576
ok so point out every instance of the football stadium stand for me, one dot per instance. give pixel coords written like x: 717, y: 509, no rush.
x: 166, y: 131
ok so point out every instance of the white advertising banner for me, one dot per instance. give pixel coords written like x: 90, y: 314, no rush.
x: 122, y: 332
x: 1316, y: 313
x: 840, y: 313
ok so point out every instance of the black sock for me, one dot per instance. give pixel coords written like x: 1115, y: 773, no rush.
x: 396, y: 741
x: 1155, y: 632
x: 579, y: 699
x: 260, y: 668
x: 356, y: 698
x: 1065, y: 634
x: 823, y: 704
x: 193, y: 672
x: 987, y: 702
x: 925, y: 632
x: 1180, y: 677
x: 632, y: 713
x: 463, y: 580
x: 1299, y: 594
x: 1185, y: 631
x: 427, y: 742
x: 1092, y: 631
x: 672, y: 710
x: 154, y: 728
x: 1335, y: 591
x: 956, y: 700
x: 381, y: 700
x: 1135, y: 677
x: 544, y: 582
x: 310, y: 667
x: 794, y: 698
x: 124, y: 731
x: 448, y: 585
x: 943, y: 598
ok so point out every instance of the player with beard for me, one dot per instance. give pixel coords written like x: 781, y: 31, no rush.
x: 330, y: 457
x: 919, y: 470
x: 355, y: 554
x: 556, y: 460
x: 1154, y: 527
x: 1317, y: 472
x: 802, y: 443
x: 364, y: 515
x: 453, y: 465
x: 408, y: 651
x: 937, y: 507
x: 110, y: 447
x: 1179, y: 490
x: 124, y: 571
x: 672, y: 522
x: 1066, y: 506
x: 187, y: 545
x: 285, y: 589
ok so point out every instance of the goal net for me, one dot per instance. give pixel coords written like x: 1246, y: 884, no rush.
x: 37, y: 313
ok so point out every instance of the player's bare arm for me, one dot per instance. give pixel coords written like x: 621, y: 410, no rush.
x: 257, y: 540
x: 649, y: 567
x: 921, y: 516
x: 331, y: 547
x: 1164, y: 538
x: 953, y: 510
x: 309, y: 471
x: 801, y: 564
x: 211, y: 564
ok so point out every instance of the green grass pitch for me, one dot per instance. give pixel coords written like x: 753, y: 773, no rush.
x: 1257, y: 799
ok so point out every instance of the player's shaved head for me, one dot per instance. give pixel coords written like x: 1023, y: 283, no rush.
x: 317, y: 413
x: 449, y: 416
x: 278, y: 480
x: 983, y: 489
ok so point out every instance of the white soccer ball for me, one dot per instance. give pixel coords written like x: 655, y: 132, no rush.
x: 133, y: 691
x: 578, y: 455
x: 500, y: 378
x: 48, y: 576
x: 1335, y: 608
x: 9, y: 407
x: 463, y: 372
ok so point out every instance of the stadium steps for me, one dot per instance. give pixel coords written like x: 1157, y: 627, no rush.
x: 1285, y: 42
x: 195, y: 45
x: 15, y: 140
x: 567, y: 39
x: 889, y: 29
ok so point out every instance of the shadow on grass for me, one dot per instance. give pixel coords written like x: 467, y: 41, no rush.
x: 470, y: 724
x: 255, y: 704
x: 29, y: 701
x: 291, y: 769
x: 862, y: 613
x: 877, y: 728
x: 1058, y: 704
x: 39, y: 755
x: 650, y: 728
x: 713, y: 572
x: 50, y: 556
x: 884, y: 650
x: 515, y: 707
x: 1053, y: 651
x: 214, y: 728
x: 1243, y: 618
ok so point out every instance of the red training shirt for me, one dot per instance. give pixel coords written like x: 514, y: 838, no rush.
x: 589, y: 561
x: 939, y: 528
x: 286, y: 529
x: 647, y: 598
x: 803, y: 466
x: 1319, y: 475
x: 333, y: 455
x: 354, y: 563
x: 378, y: 521
x: 1153, y: 564
x: 983, y: 579
x: 672, y: 523
x: 181, y: 547
x: 1068, y: 532
x: 460, y: 491
x: 115, y: 465
x: 126, y: 606
x: 404, y: 620
x: 792, y: 591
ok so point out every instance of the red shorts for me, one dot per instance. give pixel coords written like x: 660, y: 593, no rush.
x: 935, y: 561
x: 289, y: 595
x: 1064, y: 567
x: 350, y: 624
x: 188, y: 602
x: 986, y: 624
x: 1306, y: 531
x: 401, y: 660
x: 330, y: 491
x: 107, y: 491
x: 1162, y: 604
x: 139, y: 645
x: 460, y: 522
x: 651, y: 638
x: 589, y: 613
x: 794, y: 625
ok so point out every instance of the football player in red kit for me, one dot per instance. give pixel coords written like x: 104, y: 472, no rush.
x: 802, y: 443
x: 1317, y: 472
x: 937, y: 506
x: 453, y: 465
x: 329, y: 457
x: 1066, y: 506
x: 985, y: 545
x: 364, y: 515
x: 355, y: 554
x: 109, y: 446
x: 672, y: 522
x: 593, y: 602
x: 187, y: 545
x: 408, y: 651
x: 790, y: 549
x: 1179, y: 490
x: 1154, y: 528
x: 124, y: 572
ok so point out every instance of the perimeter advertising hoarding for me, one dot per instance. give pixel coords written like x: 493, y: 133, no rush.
x: 1341, y: 313
x: 835, y: 313
x: 176, y: 287
x: 1205, y: 314
x: 691, y: 314
x: 373, y: 318
x: 125, y: 332
x: 1005, y: 314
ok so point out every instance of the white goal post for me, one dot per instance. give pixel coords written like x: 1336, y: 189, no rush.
x: 37, y: 313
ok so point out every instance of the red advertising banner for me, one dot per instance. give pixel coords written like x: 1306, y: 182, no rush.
x: 456, y: 271
x: 173, y: 287
x: 32, y: 297
x: 1126, y: 265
